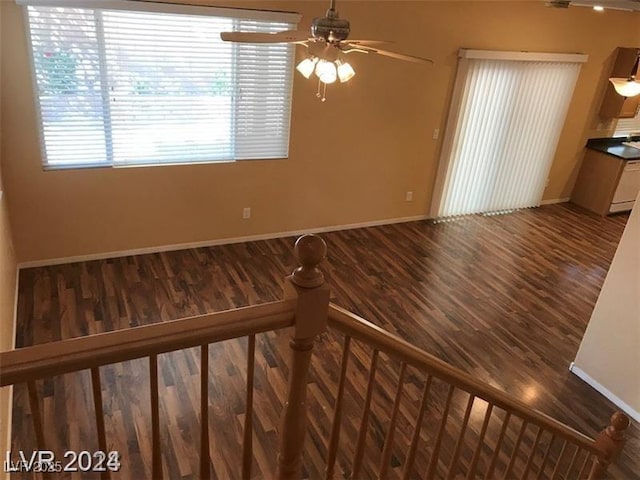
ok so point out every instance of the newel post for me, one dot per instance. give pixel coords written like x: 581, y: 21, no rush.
x: 610, y: 442
x: 306, y: 284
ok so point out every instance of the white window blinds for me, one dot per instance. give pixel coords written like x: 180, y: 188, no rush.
x: 506, y: 118
x: 121, y: 87
x: 628, y: 126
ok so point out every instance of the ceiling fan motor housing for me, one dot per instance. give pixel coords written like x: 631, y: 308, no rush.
x: 331, y: 29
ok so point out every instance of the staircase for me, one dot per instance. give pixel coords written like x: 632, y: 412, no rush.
x: 439, y: 423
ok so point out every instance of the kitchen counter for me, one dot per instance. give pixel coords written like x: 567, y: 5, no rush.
x: 614, y: 147
x: 609, y: 176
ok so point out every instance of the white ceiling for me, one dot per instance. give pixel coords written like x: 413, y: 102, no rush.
x: 631, y: 5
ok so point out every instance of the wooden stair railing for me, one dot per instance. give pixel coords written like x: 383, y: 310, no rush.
x: 580, y: 457
x: 306, y: 308
x: 51, y: 359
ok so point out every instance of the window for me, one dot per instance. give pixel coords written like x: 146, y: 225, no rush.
x: 143, y: 83
x: 628, y: 126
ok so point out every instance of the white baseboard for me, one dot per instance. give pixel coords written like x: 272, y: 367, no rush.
x: 625, y: 407
x: 211, y: 243
x: 554, y: 200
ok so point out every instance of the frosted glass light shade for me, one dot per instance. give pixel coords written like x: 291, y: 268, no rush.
x: 345, y: 72
x: 627, y: 87
x: 326, y: 71
x: 306, y: 66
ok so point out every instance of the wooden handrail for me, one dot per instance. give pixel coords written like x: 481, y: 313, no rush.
x: 379, y: 339
x: 50, y: 359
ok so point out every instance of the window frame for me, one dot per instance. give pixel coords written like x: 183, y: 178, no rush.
x: 99, y: 6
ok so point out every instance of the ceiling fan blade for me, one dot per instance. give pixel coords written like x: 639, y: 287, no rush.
x: 288, y: 36
x: 399, y: 56
x: 367, y: 42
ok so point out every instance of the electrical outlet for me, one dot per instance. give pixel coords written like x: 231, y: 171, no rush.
x: 409, y: 196
x: 246, y: 213
x: 436, y: 133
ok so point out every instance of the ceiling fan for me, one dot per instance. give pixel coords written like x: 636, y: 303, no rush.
x: 327, y: 45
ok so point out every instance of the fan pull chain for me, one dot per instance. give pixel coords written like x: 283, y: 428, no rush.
x: 322, y: 96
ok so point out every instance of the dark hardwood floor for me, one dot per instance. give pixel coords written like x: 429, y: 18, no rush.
x: 504, y: 298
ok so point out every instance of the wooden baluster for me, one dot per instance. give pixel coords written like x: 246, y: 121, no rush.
x: 514, y: 452
x: 610, y: 443
x: 556, y: 469
x: 453, y: 467
x: 247, y: 441
x: 99, y: 412
x: 307, y: 284
x: 496, y: 451
x: 411, y: 456
x: 337, y: 414
x: 545, y: 457
x: 156, y: 454
x: 364, y: 422
x: 204, y: 412
x: 388, y: 441
x: 476, y: 454
x: 532, y: 453
x: 572, y: 462
x: 435, y: 453
x: 36, y: 417
x: 585, y: 465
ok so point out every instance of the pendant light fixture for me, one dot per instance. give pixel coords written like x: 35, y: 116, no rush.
x: 628, y: 87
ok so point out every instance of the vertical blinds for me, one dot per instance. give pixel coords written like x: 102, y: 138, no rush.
x: 503, y: 136
x: 121, y: 87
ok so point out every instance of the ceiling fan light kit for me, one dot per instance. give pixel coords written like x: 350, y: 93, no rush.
x: 326, y: 71
x: 327, y: 47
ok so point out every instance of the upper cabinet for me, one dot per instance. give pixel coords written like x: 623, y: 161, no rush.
x: 614, y: 105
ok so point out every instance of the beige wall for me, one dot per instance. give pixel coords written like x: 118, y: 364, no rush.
x: 351, y: 159
x: 610, y: 349
x: 7, y: 300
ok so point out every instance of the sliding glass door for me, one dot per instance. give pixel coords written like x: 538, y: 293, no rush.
x: 506, y: 117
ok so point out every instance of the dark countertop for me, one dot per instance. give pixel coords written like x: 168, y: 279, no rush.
x: 613, y: 146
